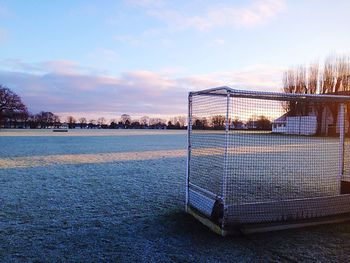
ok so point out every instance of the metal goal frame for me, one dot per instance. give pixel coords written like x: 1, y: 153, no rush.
x: 214, y: 208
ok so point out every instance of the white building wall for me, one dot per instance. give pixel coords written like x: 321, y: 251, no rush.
x: 327, y: 120
x: 346, y: 127
x: 292, y: 125
x: 279, y: 128
x: 308, y: 125
x: 301, y: 125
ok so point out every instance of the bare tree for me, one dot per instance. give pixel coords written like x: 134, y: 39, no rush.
x: 71, y: 122
x: 46, y: 119
x: 10, y: 103
x: 333, y: 77
x: 289, y: 86
x: 342, y: 73
x: 155, y: 121
x: 82, y: 122
x: 56, y: 119
x: 218, y: 122
x: 328, y: 80
x: 289, y: 81
x: 263, y: 123
x: 313, y: 78
x: 16, y: 118
x: 91, y: 123
x: 200, y: 123
x: 300, y: 80
x: 101, y: 121
x: 125, y: 120
x: 346, y: 75
x: 179, y: 121
x: 113, y: 124
x: 144, y: 121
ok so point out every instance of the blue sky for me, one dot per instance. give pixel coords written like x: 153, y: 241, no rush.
x: 105, y: 58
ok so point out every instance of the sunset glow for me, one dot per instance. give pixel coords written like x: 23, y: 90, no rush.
x: 142, y: 57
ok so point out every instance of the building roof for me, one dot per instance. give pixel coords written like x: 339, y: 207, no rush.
x: 282, y: 118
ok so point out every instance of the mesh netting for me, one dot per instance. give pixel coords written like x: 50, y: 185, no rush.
x: 251, y: 150
x: 274, y: 159
x: 207, y: 145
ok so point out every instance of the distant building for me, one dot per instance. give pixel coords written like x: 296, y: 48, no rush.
x: 301, y: 125
x: 308, y: 124
x: 252, y: 124
x: 238, y: 125
x: 279, y: 124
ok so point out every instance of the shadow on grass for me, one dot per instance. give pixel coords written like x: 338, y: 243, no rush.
x: 310, y: 243
x: 182, y: 223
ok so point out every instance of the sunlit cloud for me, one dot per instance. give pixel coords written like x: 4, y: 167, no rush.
x: 66, y: 88
x: 67, y: 67
x: 236, y: 16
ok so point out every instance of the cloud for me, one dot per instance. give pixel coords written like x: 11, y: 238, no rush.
x: 147, y: 3
x: 3, y: 35
x: 66, y: 89
x: 103, y: 56
x: 217, y: 42
x: 85, y: 9
x: 67, y: 67
x: 129, y: 39
x: 4, y: 12
x: 139, y: 39
x: 217, y: 16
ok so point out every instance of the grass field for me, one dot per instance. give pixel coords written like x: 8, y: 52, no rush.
x: 119, y: 196
x: 263, y: 167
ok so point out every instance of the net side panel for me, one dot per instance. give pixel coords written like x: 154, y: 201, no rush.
x: 207, y: 144
x: 288, y: 210
x: 346, y: 171
x: 281, y: 151
x: 347, y: 158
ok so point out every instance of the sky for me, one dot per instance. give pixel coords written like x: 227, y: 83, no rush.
x: 101, y: 58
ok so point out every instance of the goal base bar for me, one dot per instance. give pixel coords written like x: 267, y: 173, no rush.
x: 267, y: 227
x: 237, y: 230
x: 206, y: 221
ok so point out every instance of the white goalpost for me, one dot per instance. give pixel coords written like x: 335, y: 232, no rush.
x: 261, y: 160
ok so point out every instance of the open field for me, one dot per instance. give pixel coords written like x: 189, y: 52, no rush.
x: 83, y: 132
x: 264, y: 167
x: 119, y: 196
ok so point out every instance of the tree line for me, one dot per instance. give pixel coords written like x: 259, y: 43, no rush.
x: 330, y: 77
x: 15, y: 114
x: 127, y: 122
x: 333, y: 76
x: 218, y: 122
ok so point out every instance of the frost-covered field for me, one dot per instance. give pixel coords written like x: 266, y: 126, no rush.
x: 118, y: 196
x: 263, y: 167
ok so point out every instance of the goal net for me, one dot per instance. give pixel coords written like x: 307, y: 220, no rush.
x: 263, y: 157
